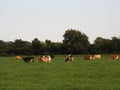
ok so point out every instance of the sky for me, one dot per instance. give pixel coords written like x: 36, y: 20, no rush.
x: 49, y: 19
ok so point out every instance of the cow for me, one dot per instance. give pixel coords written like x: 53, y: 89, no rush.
x: 114, y: 56
x: 18, y: 57
x: 88, y: 57
x: 28, y: 59
x: 48, y: 58
x: 44, y: 58
x: 69, y: 57
x: 98, y: 56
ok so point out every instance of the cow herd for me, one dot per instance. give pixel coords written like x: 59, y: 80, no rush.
x: 41, y: 58
x: 98, y: 56
x: 90, y: 57
x: 69, y: 57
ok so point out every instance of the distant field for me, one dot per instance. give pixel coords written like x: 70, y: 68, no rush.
x: 80, y: 74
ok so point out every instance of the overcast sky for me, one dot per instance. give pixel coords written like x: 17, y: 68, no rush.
x: 49, y: 19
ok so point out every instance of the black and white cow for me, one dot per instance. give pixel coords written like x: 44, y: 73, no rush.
x: 28, y: 59
x: 69, y: 57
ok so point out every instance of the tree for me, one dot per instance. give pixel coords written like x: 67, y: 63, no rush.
x: 37, y: 46
x: 102, y: 45
x: 56, y: 48
x: 22, y: 47
x: 3, y: 47
x: 10, y: 48
x: 53, y: 47
x: 115, y: 44
x: 75, y: 42
x: 47, y: 46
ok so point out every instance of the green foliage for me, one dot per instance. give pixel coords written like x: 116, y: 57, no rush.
x: 3, y: 47
x: 75, y: 42
x: 116, y: 44
x: 56, y: 48
x: 37, y: 46
x: 80, y: 74
x: 19, y: 47
x: 102, y: 45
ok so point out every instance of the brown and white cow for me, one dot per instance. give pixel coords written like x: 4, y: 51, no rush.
x: 88, y: 57
x: 69, y: 57
x: 44, y: 58
x: 114, y: 56
x: 98, y: 56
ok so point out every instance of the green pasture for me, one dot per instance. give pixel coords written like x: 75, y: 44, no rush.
x: 80, y: 74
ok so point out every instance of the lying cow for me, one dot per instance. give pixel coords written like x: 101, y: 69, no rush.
x: 88, y: 57
x: 18, y: 57
x: 98, y: 56
x: 69, y: 58
x: 28, y: 59
x: 44, y: 58
x: 114, y: 56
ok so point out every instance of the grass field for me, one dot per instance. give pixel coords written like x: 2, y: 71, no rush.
x: 80, y: 74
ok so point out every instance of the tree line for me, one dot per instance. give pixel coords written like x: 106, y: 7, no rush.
x: 74, y: 42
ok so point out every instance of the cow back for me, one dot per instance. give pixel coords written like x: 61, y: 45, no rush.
x: 98, y: 56
x: 114, y: 56
x: 88, y: 57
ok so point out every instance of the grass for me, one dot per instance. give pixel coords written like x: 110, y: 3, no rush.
x: 80, y: 74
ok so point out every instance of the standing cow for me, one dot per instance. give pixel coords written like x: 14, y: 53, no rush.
x: 69, y: 57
